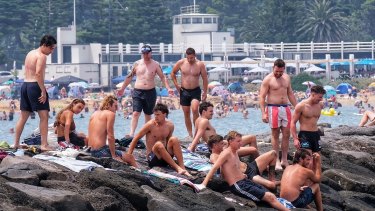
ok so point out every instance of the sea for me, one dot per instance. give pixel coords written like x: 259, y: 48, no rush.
x: 234, y: 121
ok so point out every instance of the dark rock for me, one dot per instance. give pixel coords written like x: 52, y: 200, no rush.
x: 158, y: 202
x: 106, y: 199
x: 327, y: 125
x: 358, y: 201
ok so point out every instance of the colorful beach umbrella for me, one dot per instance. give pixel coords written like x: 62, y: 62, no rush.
x: 212, y: 84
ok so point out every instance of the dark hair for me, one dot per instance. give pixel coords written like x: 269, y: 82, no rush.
x: 161, y: 107
x: 318, y: 89
x: 279, y: 63
x: 213, y: 139
x: 190, y: 51
x: 47, y: 40
x: 203, y: 106
x: 300, y: 154
x: 68, y: 107
x: 232, y: 135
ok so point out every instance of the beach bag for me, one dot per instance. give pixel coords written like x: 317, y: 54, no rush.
x: 124, y: 142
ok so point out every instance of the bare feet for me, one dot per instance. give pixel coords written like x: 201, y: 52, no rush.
x: 278, y: 166
x: 284, y: 164
x: 46, y: 148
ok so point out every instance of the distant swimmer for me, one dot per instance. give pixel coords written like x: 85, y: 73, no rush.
x: 275, y: 94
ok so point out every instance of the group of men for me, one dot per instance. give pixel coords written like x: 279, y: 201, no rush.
x: 161, y: 146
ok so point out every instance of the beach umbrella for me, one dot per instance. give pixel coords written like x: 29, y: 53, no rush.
x: 212, y: 84
x: 308, y: 83
x: 327, y: 87
x: 217, y: 90
x: 343, y: 88
x: 75, y: 84
x: 257, y: 81
x: 259, y: 70
x: 67, y: 80
x: 314, y: 68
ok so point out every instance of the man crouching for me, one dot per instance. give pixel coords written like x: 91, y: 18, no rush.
x: 101, y: 128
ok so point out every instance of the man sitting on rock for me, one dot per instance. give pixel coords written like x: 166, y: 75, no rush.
x: 204, y: 129
x: 254, y: 169
x: 297, y: 176
x: 367, y: 116
x: 101, y: 128
x: 230, y: 166
x: 161, y: 146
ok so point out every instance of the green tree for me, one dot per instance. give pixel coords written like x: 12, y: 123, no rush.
x: 323, y: 22
x: 300, y: 78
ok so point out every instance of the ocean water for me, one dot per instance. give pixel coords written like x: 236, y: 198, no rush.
x: 235, y: 121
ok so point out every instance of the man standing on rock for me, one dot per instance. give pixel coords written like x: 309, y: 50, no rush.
x: 34, y: 96
x: 204, y: 129
x: 275, y: 94
x: 230, y: 167
x: 161, y: 146
x: 144, y: 94
x: 190, y: 92
x: 307, y: 112
x: 101, y: 128
x: 295, y: 177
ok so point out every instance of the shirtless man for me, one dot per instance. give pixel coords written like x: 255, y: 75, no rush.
x: 254, y: 169
x: 295, y: 178
x: 161, y: 146
x: 277, y: 91
x: 204, y: 129
x: 230, y: 167
x: 190, y: 92
x: 144, y: 94
x: 34, y: 96
x: 367, y: 116
x: 101, y: 128
x: 307, y: 112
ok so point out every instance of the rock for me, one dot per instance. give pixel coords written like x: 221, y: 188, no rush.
x: 104, y: 198
x: 58, y: 199
x: 158, y: 202
x: 327, y: 125
x: 358, y: 201
x: 10, y: 161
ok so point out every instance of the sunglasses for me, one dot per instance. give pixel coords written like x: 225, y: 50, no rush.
x: 146, y: 50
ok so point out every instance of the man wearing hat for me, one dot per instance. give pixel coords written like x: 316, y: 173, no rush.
x: 144, y: 94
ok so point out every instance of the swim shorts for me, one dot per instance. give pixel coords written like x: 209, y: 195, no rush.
x: 104, y: 152
x: 187, y: 95
x: 252, y: 170
x: 153, y: 160
x: 30, y: 93
x: 279, y: 115
x: 144, y: 100
x: 310, y: 140
x: 304, y: 198
x: 74, y: 139
x: 248, y: 189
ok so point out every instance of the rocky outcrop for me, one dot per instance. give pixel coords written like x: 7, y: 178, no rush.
x: 30, y: 184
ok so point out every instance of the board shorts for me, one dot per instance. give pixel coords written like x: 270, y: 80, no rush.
x: 74, y: 139
x: 104, y: 152
x: 310, y: 140
x: 279, y: 115
x: 248, y: 189
x: 188, y: 95
x: 144, y: 100
x: 304, y: 198
x: 252, y: 170
x: 153, y: 160
x: 30, y: 93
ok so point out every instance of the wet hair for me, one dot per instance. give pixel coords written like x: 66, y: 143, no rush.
x: 232, y: 135
x: 47, y: 40
x: 318, y: 89
x: 214, y: 139
x: 190, y: 51
x: 300, y: 154
x: 161, y: 107
x: 279, y: 63
x: 68, y: 107
x: 107, y: 102
x: 203, y: 107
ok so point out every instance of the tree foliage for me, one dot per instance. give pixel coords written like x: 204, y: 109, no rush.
x: 300, y: 78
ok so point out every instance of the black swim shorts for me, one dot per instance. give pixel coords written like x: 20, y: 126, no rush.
x: 144, y: 100
x: 104, y: 152
x: 252, y: 170
x: 310, y: 140
x: 153, y: 160
x: 304, y: 198
x: 74, y: 139
x: 248, y: 189
x: 187, y: 95
x: 30, y: 93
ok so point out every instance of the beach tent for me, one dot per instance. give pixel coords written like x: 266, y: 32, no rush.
x: 343, y: 88
x: 330, y: 91
x: 162, y: 92
x: 236, y: 87
x: 167, y: 70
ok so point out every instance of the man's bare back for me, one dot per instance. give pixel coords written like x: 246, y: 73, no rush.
x: 33, y: 59
x: 98, y: 128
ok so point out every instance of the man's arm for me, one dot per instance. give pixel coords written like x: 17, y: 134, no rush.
x: 39, y: 73
x: 138, y: 136
x: 262, y: 98
x: 293, y: 127
x: 110, y: 133
x: 128, y: 79
x: 291, y: 96
x: 317, y: 168
x: 174, y: 72
x: 68, y: 122
x: 198, y: 135
x: 220, y: 161
x: 205, y: 81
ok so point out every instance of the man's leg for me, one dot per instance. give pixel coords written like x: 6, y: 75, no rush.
x: 161, y: 153
x: 317, y: 196
x: 174, y: 148
x: 275, y: 145
x: 147, y: 118
x: 189, y: 128
x: 134, y: 122
x: 245, y: 151
x: 285, y: 146
x: 19, y: 127
x: 250, y: 140
x: 195, y: 110
x: 43, y: 128
x: 272, y: 200
x: 264, y: 160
